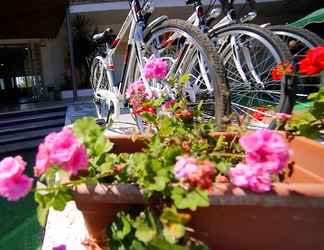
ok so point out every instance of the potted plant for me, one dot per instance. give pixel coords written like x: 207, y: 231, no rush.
x: 185, y: 186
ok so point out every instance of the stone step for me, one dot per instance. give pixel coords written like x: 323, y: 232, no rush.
x: 31, y: 126
x: 12, y: 148
x: 22, y: 137
x: 32, y: 118
x: 34, y: 111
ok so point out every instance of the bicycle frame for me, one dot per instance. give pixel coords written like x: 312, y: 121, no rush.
x: 115, y: 94
x: 196, y: 19
x: 117, y: 90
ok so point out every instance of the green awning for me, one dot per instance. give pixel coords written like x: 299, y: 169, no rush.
x: 315, y: 17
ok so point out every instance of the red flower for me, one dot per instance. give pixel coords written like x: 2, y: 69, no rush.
x: 259, y: 113
x: 313, y: 63
x: 146, y: 109
x: 281, y: 70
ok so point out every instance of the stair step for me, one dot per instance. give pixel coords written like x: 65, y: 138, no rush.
x: 34, y: 111
x: 11, y: 148
x: 31, y: 126
x: 34, y: 118
x: 25, y: 136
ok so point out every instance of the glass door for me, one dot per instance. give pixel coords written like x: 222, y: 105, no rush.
x: 18, y: 80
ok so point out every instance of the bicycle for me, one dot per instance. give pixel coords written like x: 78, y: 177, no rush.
x: 248, y: 52
x: 189, y: 52
x: 298, y: 41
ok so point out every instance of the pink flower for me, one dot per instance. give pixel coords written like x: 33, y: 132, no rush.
x: 42, y: 160
x: 15, y: 188
x: 78, y: 161
x: 168, y: 104
x: 61, y: 247
x: 203, y: 177
x: 253, y: 177
x: 283, y: 117
x: 195, y: 173
x: 62, y: 149
x: 267, y: 148
x: 156, y: 68
x: 13, y: 184
x: 135, y: 88
x: 11, y: 167
x: 185, y: 167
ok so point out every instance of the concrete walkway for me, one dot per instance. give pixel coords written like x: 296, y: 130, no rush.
x: 67, y: 227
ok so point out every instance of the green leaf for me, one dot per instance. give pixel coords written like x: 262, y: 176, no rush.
x: 136, y: 245
x: 159, y: 184
x: 144, y: 232
x: 42, y: 213
x: 173, y: 232
x: 170, y: 215
x: 170, y: 154
x: 121, y: 227
x: 184, y: 199
x: 166, y: 128
x: 224, y: 167
x: 158, y: 244
x: 102, y: 145
x: 145, y: 226
x: 61, y: 199
x: 149, y: 117
x: 51, y: 173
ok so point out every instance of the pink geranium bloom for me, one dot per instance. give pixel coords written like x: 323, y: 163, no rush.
x: 13, y: 184
x: 11, y: 167
x: 185, y: 167
x: 42, y: 160
x: 61, y: 247
x: 267, y: 148
x: 15, y: 188
x: 283, y: 117
x: 62, y: 149
x: 78, y: 161
x: 156, y: 68
x: 135, y: 88
x: 253, y: 177
x: 168, y: 104
x: 195, y: 173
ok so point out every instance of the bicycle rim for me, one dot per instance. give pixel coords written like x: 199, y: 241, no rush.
x: 249, y: 54
x: 189, y: 53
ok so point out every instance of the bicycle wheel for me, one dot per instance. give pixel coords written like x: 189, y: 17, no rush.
x: 249, y: 54
x: 101, y: 91
x: 299, y: 41
x: 189, y: 52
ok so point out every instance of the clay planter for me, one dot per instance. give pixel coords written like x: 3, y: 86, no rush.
x: 290, y: 217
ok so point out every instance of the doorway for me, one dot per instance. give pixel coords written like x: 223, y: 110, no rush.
x: 17, y: 76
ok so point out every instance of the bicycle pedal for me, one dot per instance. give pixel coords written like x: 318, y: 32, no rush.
x: 101, y: 122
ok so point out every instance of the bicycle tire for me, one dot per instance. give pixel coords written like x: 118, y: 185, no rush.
x: 287, y: 97
x: 313, y: 39
x: 301, y: 40
x: 220, y: 89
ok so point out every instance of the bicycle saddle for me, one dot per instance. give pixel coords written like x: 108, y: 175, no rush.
x: 105, y: 37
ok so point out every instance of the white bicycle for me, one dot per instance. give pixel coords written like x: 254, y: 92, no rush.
x: 184, y: 47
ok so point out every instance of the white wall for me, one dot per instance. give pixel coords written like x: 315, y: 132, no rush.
x: 53, y: 55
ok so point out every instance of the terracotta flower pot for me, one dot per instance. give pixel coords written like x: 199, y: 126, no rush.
x: 290, y: 217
